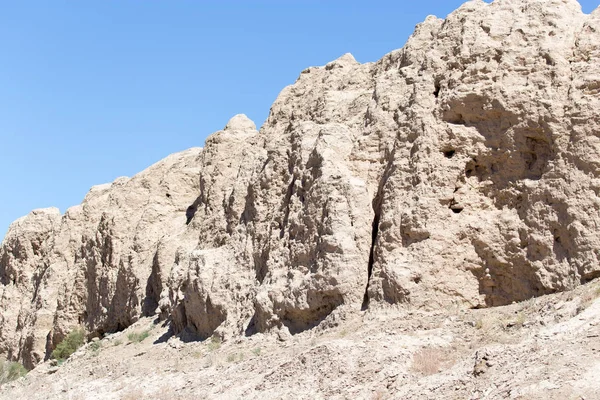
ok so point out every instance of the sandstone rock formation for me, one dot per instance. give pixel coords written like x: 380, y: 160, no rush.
x: 90, y: 266
x: 461, y: 170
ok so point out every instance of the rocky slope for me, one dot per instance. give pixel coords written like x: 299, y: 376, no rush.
x: 459, y: 171
x: 544, y: 348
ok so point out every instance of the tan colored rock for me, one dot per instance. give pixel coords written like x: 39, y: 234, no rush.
x: 460, y: 170
x: 90, y: 266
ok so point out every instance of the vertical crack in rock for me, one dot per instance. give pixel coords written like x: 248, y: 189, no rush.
x: 37, y: 280
x: 377, y: 205
x: 285, y: 207
x: 153, y: 288
x: 374, y: 234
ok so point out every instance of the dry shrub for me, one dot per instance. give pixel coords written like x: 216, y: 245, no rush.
x: 10, y: 371
x: 133, y: 394
x: 165, y: 393
x: 588, y: 299
x: 428, y: 361
x: 380, y: 395
x: 493, y: 327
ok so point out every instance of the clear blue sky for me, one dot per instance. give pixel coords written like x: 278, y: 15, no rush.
x: 93, y: 90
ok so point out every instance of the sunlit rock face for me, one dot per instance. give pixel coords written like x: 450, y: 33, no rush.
x: 459, y: 171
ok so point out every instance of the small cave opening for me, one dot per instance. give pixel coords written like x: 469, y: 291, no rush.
x: 436, y: 89
x: 190, y: 212
x: 498, y: 56
x: 449, y: 153
x: 475, y: 168
x: 82, y: 318
x: 169, y: 195
x: 548, y: 59
x: 455, y: 207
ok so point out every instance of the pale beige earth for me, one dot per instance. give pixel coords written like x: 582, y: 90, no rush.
x: 545, y: 348
x: 457, y: 173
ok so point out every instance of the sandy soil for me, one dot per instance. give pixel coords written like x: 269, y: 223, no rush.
x: 544, y: 348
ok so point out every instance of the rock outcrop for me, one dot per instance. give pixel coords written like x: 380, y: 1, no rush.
x: 93, y: 265
x: 461, y: 170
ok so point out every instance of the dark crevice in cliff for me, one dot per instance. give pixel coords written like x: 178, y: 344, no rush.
x: 153, y: 289
x: 191, y: 212
x: 374, y: 234
x: 38, y: 279
x: 285, y: 207
x: 377, y: 205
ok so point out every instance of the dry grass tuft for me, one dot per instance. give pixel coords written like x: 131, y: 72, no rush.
x: 380, y: 395
x: 214, y: 343
x: 588, y: 299
x: 428, y: 361
x: 133, y: 394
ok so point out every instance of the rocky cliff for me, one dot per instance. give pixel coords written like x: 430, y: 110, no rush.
x: 461, y: 170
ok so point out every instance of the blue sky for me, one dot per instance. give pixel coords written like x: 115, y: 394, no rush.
x: 94, y: 90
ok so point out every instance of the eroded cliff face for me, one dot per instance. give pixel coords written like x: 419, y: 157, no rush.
x: 92, y: 265
x: 461, y: 170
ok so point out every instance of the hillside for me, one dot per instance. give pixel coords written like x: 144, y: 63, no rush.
x: 425, y: 192
x: 544, y: 348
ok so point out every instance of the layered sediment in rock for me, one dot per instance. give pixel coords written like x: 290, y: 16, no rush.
x: 461, y: 170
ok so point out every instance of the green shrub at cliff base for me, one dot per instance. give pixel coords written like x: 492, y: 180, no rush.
x: 9, y: 371
x: 137, y: 337
x: 69, y: 345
